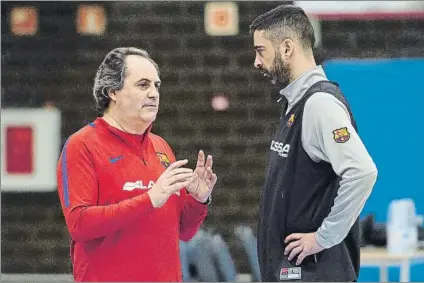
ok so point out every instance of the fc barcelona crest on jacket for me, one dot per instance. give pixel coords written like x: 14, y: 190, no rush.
x: 290, y: 121
x: 163, y: 159
x: 341, y: 135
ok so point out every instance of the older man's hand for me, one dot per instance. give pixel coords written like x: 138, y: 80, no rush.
x: 203, y: 180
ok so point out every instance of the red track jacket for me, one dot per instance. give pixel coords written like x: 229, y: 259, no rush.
x: 117, y: 235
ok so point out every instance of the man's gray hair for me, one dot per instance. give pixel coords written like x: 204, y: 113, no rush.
x: 111, y: 74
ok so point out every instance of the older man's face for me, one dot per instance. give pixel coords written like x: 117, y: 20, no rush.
x: 139, y: 97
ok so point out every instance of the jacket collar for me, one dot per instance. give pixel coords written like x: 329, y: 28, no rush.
x: 297, y: 88
x: 131, y: 139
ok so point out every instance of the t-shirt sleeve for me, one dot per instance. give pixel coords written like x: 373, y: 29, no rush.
x: 328, y: 135
x: 193, y: 213
x: 78, y: 192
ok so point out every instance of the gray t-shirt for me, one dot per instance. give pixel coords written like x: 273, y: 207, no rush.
x: 323, y: 114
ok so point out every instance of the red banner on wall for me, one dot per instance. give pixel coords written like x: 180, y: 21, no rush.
x: 19, y: 150
x: 30, y: 141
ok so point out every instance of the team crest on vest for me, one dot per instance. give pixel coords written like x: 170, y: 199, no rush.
x: 164, y: 160
x: 341, y: 135
x: 290, y: 121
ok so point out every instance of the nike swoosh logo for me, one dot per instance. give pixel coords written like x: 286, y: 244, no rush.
x: 115, y: 159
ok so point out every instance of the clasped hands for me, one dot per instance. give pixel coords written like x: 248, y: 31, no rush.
x: 199, y: 183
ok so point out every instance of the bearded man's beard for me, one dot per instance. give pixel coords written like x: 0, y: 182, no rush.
x: 280, y: 72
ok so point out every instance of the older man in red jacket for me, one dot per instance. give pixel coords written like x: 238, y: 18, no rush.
x: 126, y: 201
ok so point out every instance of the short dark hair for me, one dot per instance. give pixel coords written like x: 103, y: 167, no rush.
x: 112, y: 72
x: 285, y: 21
